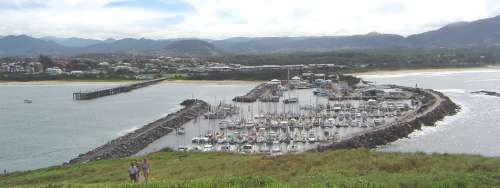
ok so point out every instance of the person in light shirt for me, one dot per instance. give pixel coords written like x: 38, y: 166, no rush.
x: 132, y: 171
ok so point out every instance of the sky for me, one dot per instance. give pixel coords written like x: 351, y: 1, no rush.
x: 219, y: 19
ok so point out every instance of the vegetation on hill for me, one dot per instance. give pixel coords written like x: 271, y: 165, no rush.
x: 367, y: 58
x: 340, y: 168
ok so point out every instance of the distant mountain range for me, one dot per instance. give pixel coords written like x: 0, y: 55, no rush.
x: 481, y: 33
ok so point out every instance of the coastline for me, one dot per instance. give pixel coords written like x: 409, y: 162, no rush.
x: 64, y: 82
x: 232, y: 82
x: 213, y: 82
x: 427, y: 70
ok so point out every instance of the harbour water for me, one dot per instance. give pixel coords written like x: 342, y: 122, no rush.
x: 54, y: 128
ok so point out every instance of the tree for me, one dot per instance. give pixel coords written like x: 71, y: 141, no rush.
x: 46, y: 61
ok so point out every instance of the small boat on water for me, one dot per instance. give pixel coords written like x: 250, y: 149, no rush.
x: 293, y: 148
x: 208, y: 148
x: 214, y: 115
x: 181, y: 131
x: 316, y: 91
x: 311, y: 136
x: 247, y: 148
x: 291, y: 100
x: 276, y: 148
x: 28, y: 101
x: 182, y: 148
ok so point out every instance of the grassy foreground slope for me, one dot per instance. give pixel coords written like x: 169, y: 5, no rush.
x: 341, y: 168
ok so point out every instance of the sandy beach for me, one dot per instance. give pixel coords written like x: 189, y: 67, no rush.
x: 233, y: 82
x: 429, y: 70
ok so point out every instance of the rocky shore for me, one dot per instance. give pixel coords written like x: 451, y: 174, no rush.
x: 435, y: 106
x: 490, y: 93
x: 254, y: 94
x: 135, y: 141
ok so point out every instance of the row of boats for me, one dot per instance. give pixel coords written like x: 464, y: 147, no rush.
x: 294, y: 128
x: 264, y: 136
x: 222, y: 111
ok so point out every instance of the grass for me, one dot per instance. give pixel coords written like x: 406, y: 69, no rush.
x: 341, y: 168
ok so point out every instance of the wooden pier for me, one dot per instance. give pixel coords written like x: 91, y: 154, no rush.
x: 87, y: 95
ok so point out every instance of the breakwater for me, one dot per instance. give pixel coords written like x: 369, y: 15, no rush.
x: 135, y: 141
x: 255, y: 93
x: 489, y: 93
x: 87, y: 95
x: 434, y: 107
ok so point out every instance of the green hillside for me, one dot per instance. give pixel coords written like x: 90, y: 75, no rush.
x: 341, y: 168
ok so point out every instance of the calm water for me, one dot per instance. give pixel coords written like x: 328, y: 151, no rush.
x: 54, y: 128
x: 475, y: 130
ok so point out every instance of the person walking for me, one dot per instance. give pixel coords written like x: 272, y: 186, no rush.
x: 132, y: 171
x: 145, y: 169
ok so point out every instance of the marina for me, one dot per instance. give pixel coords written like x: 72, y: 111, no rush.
x: 141, y: 111
x: 299, y: 119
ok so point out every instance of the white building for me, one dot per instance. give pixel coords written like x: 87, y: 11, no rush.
x: 54, y: 71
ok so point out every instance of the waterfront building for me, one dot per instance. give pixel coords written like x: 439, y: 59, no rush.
x: 54, y: 71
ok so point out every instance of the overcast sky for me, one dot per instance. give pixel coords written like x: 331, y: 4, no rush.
x: 216, y: 19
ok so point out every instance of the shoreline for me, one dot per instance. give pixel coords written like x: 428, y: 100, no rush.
x: 232, y: 82
x: 213, y: 82
x: 67, y: 82
x: 426, y: 70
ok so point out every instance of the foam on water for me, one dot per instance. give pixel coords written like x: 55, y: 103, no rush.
x: 473, y: 130
x: 129, y: 130
x: 460, y: 91
x: 426, y: 73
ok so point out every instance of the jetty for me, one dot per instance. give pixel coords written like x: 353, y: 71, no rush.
x: 264, y: 90
x: 134, y: 142
x: 88, y: 95
x: 434, y: 107
x: 489, y: 93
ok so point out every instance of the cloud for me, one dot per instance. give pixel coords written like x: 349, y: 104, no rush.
x: 19, y: 5
x: 157, y: 5
x: 162, y: 22
x: 232, y: 18
x: 392, y: 7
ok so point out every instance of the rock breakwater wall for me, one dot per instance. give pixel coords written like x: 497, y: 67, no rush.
x: 254, y: 94
x: 135, y: 141
x: 429, y: 113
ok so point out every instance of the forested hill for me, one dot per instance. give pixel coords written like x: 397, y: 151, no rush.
x: 481, y: 35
